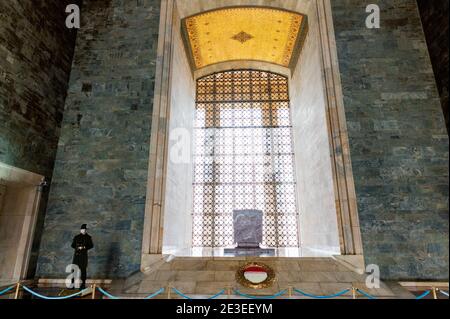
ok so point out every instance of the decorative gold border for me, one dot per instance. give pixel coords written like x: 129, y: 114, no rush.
x: 240, y: 278
x: 299, y: 43
x: 192, y: 33
x: 294, y: 29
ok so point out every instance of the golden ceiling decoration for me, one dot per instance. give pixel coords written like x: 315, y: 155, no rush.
x: 244, y: 33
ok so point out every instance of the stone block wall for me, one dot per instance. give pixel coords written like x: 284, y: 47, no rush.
x: 434, y: 16
x: 36, y: 51
x: 398, y: 139
x: 100, y: 175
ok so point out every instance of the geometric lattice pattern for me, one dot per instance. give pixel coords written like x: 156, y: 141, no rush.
x: 243, y: 157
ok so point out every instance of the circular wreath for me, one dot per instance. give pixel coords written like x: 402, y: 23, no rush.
x: 256, y: 270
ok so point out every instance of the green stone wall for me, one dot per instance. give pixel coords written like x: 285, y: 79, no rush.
x: 36, y: 52
x: 435, y: 16
x: 398, y: 139
x: 101, y: 166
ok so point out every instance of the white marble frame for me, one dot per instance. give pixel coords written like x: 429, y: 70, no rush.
x: 29, y: 182
x: 345, y: 195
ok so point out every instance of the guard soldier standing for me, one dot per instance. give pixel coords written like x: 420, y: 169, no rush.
x: 82, y: 243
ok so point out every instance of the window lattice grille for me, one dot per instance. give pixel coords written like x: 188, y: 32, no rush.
x: 243, y: 157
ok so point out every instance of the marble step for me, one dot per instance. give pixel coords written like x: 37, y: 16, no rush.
x: 208, y: 276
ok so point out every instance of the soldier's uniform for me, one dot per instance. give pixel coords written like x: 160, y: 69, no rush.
x: 82, y: 243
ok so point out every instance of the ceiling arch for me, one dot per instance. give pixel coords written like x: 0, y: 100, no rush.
x: 244, y: 33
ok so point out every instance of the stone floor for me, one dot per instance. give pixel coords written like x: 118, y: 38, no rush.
x: 207, y: 276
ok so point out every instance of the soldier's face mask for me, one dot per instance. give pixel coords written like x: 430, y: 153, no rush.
x: 83, y: 231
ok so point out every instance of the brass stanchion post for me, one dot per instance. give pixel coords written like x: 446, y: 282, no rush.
x: 94, y: 287
x: 168, y: 291
x: 354, y: 292
x: 434, y: 293
x: 229, y: 292
x: 16, y: 295
x: 290, y: 292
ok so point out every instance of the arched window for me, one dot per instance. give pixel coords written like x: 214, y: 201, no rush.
x: 243, y: 157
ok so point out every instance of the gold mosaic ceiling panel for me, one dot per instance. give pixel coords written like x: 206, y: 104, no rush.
x: 244, y: 33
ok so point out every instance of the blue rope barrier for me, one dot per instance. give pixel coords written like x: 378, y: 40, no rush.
x: 343, y: 292
x: 4, y: 291
x: 426, y: 293
x: 265, y: 297
x: 220, y: 293
x: 46, y: 297
x: 107, y: 294
x: 366, y: 294
x: 179, y: 293
x: 160, y: 291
